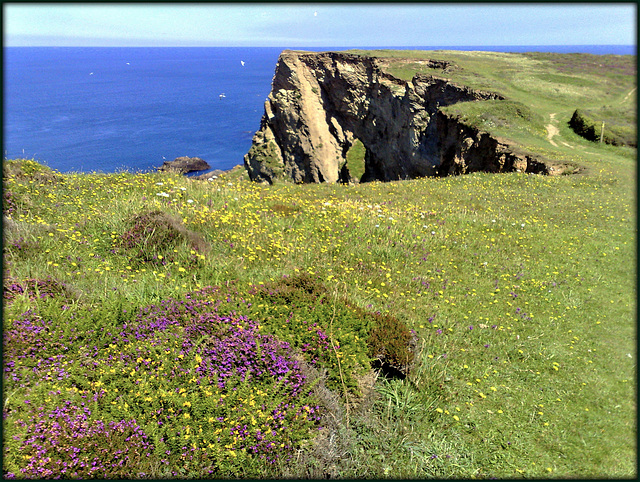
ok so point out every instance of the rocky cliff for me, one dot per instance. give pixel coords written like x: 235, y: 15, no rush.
x: 322, y: 103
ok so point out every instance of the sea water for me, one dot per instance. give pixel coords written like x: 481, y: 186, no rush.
x: 80, y: 109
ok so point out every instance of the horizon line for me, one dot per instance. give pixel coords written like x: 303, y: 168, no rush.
x: 328, y: 46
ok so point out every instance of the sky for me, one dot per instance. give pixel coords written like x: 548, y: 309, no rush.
x: 318, y: 24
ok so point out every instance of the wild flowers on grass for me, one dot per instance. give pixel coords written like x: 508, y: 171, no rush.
x: 260, y: 349
x: 193, y: 380
x: 68, y: 443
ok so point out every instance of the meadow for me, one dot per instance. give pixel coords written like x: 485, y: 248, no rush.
x: 478, y: 326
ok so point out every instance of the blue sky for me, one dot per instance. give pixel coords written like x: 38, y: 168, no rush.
x: 318, y: 24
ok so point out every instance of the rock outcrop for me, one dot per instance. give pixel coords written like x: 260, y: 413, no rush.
x: 464, y: 149
x: 184, y: 164
x: 321, y: 103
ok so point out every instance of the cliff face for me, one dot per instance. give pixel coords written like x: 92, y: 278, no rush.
x: 464, y: 149
x: 321, y: 103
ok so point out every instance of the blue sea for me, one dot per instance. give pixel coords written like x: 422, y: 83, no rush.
x: 81, y: 109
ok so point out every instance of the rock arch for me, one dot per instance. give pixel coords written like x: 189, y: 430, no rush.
x: 320, y: 103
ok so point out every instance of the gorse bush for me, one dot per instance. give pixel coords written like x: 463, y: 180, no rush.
x: 303, y: 285
x: 359, y: 335
x: 392, y: 344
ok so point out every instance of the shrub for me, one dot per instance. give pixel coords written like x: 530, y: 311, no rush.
x: 359, y: 336
x: 586, y: 126
x: 152, y: 237
x: 302, y: 288
x: 392, y: 344
x: 583, y: 127
x: 67, y: 443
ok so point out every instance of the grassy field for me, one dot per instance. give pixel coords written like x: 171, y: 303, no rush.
x: 539, y: 88
x: 161, y: 326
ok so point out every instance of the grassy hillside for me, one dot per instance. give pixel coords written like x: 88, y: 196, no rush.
x: 541, y: 89
x: 472, y: 326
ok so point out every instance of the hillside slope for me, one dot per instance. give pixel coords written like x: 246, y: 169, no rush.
x: 430, y: 113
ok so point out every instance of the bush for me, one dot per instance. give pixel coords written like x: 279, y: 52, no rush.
x: 153, y: 236
x: 392, y: 345
x: 583, y: 126
x: 586, y: 126
x: 363, y: 339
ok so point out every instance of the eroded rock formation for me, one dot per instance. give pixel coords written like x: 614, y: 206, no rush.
x: 464, y: 149
x: 321, y: 103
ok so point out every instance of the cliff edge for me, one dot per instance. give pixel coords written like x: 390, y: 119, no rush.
x: 322, y: 104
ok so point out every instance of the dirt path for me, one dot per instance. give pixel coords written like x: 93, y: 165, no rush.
x: 627, y: 96
x: 552, y: 130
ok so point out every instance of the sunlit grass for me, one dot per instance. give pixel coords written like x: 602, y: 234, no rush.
x: 519, y: 288
x: 474, y: 326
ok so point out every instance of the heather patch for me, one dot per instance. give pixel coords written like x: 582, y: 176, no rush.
x: 329, y: 330
x: 68, y: 443
x: 210, y: 391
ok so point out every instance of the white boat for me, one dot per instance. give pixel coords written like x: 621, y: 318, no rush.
x: 222, y: 96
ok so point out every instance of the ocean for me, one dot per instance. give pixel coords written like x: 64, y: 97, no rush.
x: 106, y: 109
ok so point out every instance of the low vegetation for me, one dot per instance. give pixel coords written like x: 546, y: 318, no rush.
x: 478, y: 326
x: 355, y: 160
x: 584, y: 124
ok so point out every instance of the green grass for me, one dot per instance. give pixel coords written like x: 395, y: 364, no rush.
x: 535, y: 85
x: 515, y: 294
x: 355, y: 160
x: 542, y: 268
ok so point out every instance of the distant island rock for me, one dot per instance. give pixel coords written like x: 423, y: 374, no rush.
x: 185, y: 164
